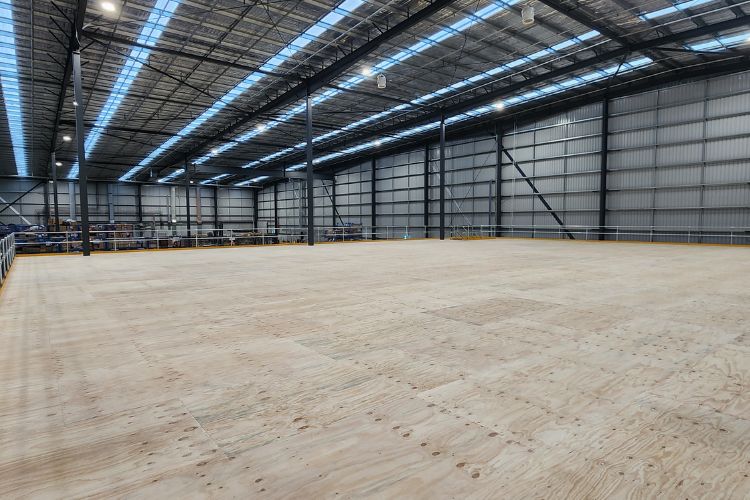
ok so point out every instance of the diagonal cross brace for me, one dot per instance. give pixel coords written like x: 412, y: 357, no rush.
x: 538, y: 194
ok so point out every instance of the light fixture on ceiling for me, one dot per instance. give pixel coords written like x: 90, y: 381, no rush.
x: 215, y: 151
x: 261, y: 127
x: 67, y: 138
x: 378, y: 142
x: 367, y: 71
x: 499, y: 105
x: 75, y: 103
x: 527, y: 15
x: 382, y: 81
x: 58, y: 164
x: 108, y: 6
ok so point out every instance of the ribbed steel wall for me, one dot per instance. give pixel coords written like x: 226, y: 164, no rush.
x: 678, y: 161
x: 680, y: 157
x: 561, y: 155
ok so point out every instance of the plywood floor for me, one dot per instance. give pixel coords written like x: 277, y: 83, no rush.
x: 485, y: 369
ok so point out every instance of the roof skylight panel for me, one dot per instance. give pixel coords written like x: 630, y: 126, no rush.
x: 533, y: 94
x: 311, y: 34
x: 150, y: 33
x: 493, y: 8
x: 678, y: 7
x: 486, y: 75
x: 9, y: 79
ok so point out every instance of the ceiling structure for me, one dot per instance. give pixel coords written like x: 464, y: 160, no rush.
x: 221, y: 84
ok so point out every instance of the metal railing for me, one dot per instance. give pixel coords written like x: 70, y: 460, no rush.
x: 672, y: 234
x: 7, y: 254
x: 148, y: 239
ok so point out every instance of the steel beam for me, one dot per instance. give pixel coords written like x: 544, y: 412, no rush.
x: 328, y: 74
x: 578, y: 15
x: 373, y: 197
x: 491, y: 96
x: 280, y: 174
x: 442, y: 177
x: 603, y: 169
x: 83, y: 188
x: 538, y: 194
x: 426, y: 195
x: 54, y: 192
x: 310, y: 178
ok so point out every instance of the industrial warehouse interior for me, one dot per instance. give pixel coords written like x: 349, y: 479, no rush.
x: 375, y: 249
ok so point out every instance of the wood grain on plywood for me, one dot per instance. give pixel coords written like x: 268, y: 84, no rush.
x: 482, y: 369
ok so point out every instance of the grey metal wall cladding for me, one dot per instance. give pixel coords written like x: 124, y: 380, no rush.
x: 690, y: 171
x: 235, y: 205
x: 678, y: 157
x: 729, y: 105
x: 561, y: 154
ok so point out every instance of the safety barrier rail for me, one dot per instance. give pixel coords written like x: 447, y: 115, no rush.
x: 145, y: 239
x: 7, y: 254
x: 674, y: 234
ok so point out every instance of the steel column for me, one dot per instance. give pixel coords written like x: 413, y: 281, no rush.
x: 334, y: 212
x: 255, y: 208
x: 46, y: 204
x: 139, y: 202
x: 603, y: 169
x: 276, y: 207
x: 110, y: 202
x: 373, y: 196
x: 442, y: 176
x: 187, y: 196
x: 80, y: 139
x: 54, y: 192
x: 498, y: 176
x: 426, y: 195
x: 310, y: 177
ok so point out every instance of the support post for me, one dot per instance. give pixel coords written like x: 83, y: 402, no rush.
x: 187, y: 197
x: 80, y: 140
x: 255, y: 208
x: 426, y: 195
x: 498, y: 176
x: 603, y: 170
x: 46, y: 203
x: 72, y: 200
x: 310, y: 177
x: 139, y: 202
x: 442, y: 176
x: 334, y: 212
x: 373, y: 196
x: 111, y: 202
x: 54, y: 193
x: 276, y: 207
x: 216, y: 207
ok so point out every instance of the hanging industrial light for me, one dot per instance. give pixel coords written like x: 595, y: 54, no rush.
x: 527, y: 14
x: 381, y: 81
